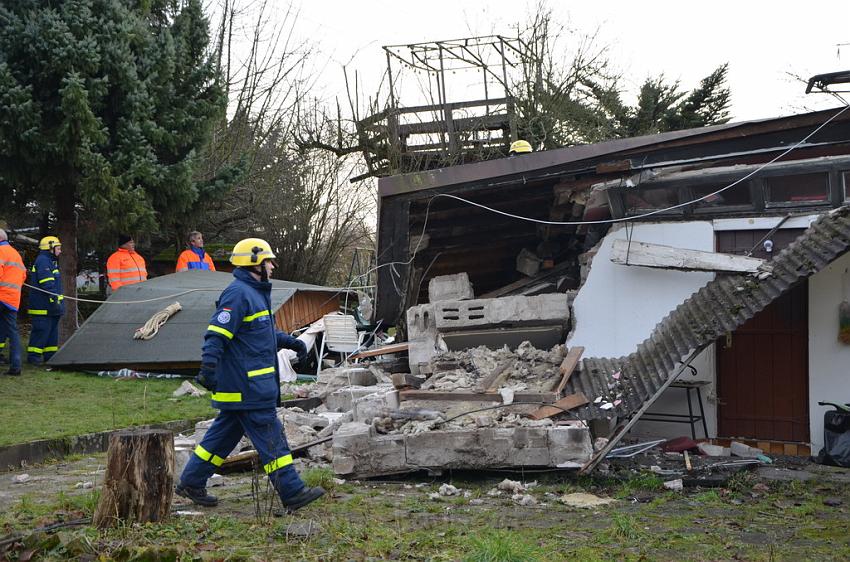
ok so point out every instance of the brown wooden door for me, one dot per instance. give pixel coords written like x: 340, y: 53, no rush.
x: 762, y: 367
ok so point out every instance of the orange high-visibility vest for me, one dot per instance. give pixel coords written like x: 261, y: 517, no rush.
x: 12, y: 275
x: 190, y: 260
x: 125, y: 267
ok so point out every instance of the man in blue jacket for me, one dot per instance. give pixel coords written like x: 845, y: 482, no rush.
x: 45, y: 308
x: 239, y: 367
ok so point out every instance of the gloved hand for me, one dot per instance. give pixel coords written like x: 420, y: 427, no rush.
x: 206, y: 377
x: 301, y: 349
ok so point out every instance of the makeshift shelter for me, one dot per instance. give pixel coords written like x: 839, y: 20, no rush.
x: 105, y: 340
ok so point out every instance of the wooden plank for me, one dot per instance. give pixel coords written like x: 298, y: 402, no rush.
x: 568, y: 365
x: 566, y: 403
x: 385, y: 350
x: 491, y: 382
x: 624, y: 252
x: 547, y: 397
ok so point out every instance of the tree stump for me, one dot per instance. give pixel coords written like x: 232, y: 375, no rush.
x: 139, y: 479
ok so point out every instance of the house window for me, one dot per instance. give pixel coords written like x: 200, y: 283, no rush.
x: 798, y: 189
x: 736, y: 196
x: 637, y: 201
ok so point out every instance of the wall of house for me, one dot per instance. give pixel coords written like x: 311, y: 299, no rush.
x: 829, y: 359
x: 619, y: 306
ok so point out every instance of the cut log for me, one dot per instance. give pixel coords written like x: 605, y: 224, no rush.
x: 643, y: 254
x: 139, y: 480
x: 568, y: 365
x: 565, y: 403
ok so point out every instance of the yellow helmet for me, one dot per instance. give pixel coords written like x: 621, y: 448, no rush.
x: 251, y: 251
x: 520, y: 147
x: 48, y: 243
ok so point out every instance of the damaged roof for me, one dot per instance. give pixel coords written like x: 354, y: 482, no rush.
x: 540, y: 164
x: 719, y: 307
x: 105, y: 340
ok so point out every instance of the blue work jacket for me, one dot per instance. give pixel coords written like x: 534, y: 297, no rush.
x: 44, y: 274
x: 242, y: 342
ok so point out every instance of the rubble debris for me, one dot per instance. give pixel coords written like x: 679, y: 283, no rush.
x: 742, y: 450
x: 523, y: 499
x: 188, y: 388
x: 20, y: 478
x: 449, y: 490
x: 512, y: 486
x: 832, y: 502
x: 84, y: 485
x: 714, y: 450
x: 584, y: 500
x: 676, y: 485
x: 525, y: 369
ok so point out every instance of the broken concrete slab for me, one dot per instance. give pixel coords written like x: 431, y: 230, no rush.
x: 450, y: 288
x: 713, y: 450
x: 549, y: 309
x: 373, y: 405
x: 743, y: 450
x: 360, y: 451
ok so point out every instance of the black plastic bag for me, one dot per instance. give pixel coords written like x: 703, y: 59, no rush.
x: 836, y: 439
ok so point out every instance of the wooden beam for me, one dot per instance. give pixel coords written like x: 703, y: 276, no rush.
x: 568, y: 365
x: 566, y: 403
x: 643, y: 254
x: 491, y: 382
x: 385, y: 350
x: 547, y: 397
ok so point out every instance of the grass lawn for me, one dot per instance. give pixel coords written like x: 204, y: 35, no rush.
x: 747, y: 520
x: 44, y: 404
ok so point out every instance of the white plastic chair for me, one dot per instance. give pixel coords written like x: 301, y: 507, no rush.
x: 341, y: 336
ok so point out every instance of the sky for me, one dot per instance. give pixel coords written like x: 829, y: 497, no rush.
x: 762, y: 41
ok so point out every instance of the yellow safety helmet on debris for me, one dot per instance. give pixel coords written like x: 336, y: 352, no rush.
x: 251, y: 251
x: 48, y: 243
x: 520, y: 147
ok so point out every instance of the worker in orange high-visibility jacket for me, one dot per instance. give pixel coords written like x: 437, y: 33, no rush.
x: 13, y: 273
x: 195, y: 257
x: 125, y: 266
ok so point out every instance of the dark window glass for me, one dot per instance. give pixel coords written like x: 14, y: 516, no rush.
x: 738, y: 195
x: 641, y: 200
x: 800, y: 188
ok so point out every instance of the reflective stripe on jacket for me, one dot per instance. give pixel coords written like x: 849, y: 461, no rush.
x: 13, y: 273
x: 125, y: 267
x: 44, y: 274
x: 190, y: 260
x: 241, y: 340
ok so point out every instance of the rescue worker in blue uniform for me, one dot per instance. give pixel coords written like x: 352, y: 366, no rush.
x: 45, y: 308
x: 239, y: 366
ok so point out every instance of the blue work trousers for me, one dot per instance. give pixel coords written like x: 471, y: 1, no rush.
x: 9, y: 330
x: 266, y: 433
x: 44, y: 339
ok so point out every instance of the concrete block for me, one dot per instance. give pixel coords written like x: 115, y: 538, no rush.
x: 549, y: 309
x: 342, y: 399
x: 359, y: 450
x: 450, y: 287
x: 374, y: 405
x: 569, y: 445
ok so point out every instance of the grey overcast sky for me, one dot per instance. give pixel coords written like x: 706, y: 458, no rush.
x: 761, y: 41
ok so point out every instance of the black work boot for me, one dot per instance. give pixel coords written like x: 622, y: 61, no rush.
x: 197, y: 495
x: 302, y: 498
x: 14, y: 372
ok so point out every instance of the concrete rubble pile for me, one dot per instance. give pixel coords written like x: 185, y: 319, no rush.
x: 377, y: 429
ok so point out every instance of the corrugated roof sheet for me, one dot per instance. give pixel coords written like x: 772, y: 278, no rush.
x: 720, y: 307
x: 106, y: 337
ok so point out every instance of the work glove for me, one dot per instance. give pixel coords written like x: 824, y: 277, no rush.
x: 301, y: 349
x: 206, y: 377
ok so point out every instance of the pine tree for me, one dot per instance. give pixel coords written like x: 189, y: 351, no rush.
x: 104, y: 106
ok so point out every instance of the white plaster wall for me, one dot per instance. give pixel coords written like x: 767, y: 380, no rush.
x: 829, y: 360
x: 619, y: 305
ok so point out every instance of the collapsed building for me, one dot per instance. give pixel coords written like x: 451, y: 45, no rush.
x: 704, y: 289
